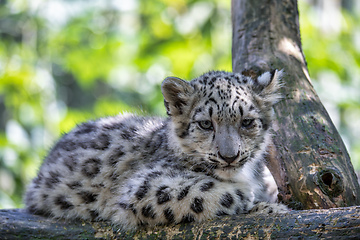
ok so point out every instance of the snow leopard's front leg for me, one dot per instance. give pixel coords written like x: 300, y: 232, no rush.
x: 268, y: 208
x: 157, y: 198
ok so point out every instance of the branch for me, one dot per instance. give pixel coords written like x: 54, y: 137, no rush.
x: 330, y: 223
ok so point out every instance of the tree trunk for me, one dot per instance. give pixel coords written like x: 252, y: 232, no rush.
x: 340, y: 223
x: 309, y: 161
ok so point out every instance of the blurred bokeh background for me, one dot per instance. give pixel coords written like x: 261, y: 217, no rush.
x: 65, y: 61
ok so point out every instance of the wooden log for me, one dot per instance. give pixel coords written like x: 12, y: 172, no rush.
x: 335, y: 223
x: 309, y: 160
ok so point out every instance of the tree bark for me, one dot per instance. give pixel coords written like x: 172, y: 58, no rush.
x: 342, y: 223
x: 309, y: 161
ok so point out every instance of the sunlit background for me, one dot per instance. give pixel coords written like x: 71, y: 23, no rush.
x: 65, y: 61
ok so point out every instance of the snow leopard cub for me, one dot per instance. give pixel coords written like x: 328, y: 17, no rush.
x: 204, y: 160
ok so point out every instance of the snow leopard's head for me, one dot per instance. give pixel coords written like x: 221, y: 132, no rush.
x: 221, y: 120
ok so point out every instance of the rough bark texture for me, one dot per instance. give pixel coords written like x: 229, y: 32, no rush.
x: 342, y: 223
x: 310, y: 163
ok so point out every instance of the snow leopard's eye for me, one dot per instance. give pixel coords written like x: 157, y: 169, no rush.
x: 247, y: 122
x: 206, y: 125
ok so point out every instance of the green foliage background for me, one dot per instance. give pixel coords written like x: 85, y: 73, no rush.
x: 63, y: 62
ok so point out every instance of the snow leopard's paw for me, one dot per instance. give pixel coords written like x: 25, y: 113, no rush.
x: 269, y: 208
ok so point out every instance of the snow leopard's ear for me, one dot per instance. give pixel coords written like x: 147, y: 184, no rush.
x: 176, y: 93
x: 267, y: 86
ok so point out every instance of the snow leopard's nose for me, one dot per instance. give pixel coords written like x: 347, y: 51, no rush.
x: 228, y: 142
x: 227, y: 158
